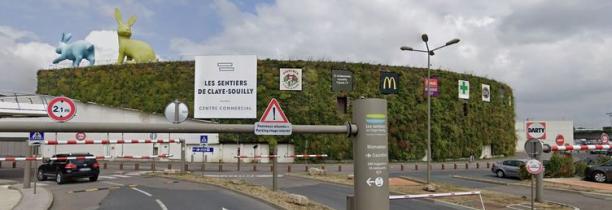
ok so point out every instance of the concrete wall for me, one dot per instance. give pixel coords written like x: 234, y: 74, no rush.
x: 553, y: 128
x: 226, y: 153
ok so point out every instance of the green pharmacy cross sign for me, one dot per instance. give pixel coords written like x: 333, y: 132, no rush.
x: 464, y: 89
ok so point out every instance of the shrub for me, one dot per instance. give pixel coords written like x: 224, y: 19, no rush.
x: 559, y: 166
x: 580, y: 167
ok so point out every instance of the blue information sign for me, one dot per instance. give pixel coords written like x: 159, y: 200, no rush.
x: 203, y: 139
x: 36, y: 137
x: 202, y: 149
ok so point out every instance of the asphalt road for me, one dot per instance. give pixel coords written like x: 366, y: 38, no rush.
x: 580, y: 200
x: 133, y: 191
x: 332, y: 195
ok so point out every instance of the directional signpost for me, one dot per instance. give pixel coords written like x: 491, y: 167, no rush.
x: 534, y: 149
x: 534, y: 167
x: 202, y: 149
x: 61, y: 109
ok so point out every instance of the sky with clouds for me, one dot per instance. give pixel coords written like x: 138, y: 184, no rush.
x: 555, y: 54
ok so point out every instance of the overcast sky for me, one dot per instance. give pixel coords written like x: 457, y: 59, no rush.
x: 555, y: 54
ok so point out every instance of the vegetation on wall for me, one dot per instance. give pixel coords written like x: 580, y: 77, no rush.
x: 458, y: 130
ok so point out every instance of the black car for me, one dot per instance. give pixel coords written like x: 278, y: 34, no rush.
x: 600, y: 173
x: 69, y: 166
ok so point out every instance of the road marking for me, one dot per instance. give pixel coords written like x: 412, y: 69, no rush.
x: 242, y: 176
x: 142, y: 191
x: 93, y: 189
x: 107, y: 177
x: 121, y: 176
x: 163, y: 207
x: 113, y: 183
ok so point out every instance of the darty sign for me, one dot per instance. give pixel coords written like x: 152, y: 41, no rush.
x: 225, y: 87
x: 536, y: 130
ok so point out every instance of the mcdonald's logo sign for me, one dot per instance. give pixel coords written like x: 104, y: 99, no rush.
x: 389, y: 82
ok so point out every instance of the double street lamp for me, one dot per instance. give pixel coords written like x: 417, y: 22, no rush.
x: 429, y: 54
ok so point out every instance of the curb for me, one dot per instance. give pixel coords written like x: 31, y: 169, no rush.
x: 49, y: 194
x: 482, y: 180
x: 563, y: 204
x: 236, y: 191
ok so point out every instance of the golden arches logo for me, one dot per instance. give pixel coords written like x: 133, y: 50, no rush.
x: 389, y: 83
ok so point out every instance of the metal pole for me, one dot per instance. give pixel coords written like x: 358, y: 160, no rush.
x: 370, y: 155
x: 532, y: 188
x: 27, y: 169
x: 428, y: 116
x: 238, y: 167
x: 275, y: 171
x: 540, y: 182
x: 35, y: 148
x: 186, y: 127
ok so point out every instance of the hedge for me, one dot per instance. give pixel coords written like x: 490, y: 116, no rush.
x: 150, y: 86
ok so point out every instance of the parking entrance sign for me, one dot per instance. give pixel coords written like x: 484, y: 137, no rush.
x: 36, y: 138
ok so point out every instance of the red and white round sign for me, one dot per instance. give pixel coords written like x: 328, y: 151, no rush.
x: 80, y: 136
x: 536, y: 130
x: 534, y: 166
x: 560, y: 140
x: 61, y: 109
x: 604, y: 138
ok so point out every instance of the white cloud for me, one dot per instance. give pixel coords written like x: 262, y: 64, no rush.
x: 106, y: 44
x: 20, y: 60
x: 556, y: 73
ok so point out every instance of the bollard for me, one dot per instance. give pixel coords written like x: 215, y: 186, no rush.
x: 323, y: 167
x: 136, y: 166
x: 442, y: 166
x: 455, y: 166
x: 402, y: 167
x: 339, y: 168
x: 120, y: 166
x: 0, y: 164
x: 466, y: 166
x: 153, y: 166
x: 220, y: 166
x: 416, y: 167
x: 477, y: 165
x: 105, y: 166
x: 271, y: 168
x: 488, y: 165
x: 306, y: 168
x: 169, y: 166
x: 14, y: 164
x: 350, y: 202
x: 289, y: 168
x: 186, y: 167
x: 254, y: 167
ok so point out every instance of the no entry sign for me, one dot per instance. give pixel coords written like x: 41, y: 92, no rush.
x: 560, y: 140
x: 61, y: 109
x: 536, y: 130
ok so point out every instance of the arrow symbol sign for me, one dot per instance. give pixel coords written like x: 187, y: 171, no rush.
x: 370, y: 181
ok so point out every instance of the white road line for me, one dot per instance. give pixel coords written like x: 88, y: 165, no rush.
x: 121, y: 176
x: 161, y: 205
x: 142, y: 191
x: 242, y: 176
x: 113, y: 183
x: 107, y: 177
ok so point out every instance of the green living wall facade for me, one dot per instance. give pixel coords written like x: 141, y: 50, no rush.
x: 455, y: 133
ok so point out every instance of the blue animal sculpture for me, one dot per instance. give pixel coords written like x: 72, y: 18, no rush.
x: 75, y: 51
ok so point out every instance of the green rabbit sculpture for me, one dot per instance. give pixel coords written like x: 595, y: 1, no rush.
x: 134, y: 50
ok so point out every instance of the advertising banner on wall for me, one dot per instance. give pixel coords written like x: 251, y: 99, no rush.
x: 434, y: 85
x: 225, y: 86
x: 464, y: 89
x: 389, y: 82
x: 342, y: 80
x: 290, y: 79
x: 486, y: 93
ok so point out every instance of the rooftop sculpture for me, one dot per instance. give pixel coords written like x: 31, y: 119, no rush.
x: 75, y: 51
x: 134, y: 50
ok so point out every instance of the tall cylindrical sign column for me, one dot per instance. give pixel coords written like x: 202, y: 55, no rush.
x: 370, y: 154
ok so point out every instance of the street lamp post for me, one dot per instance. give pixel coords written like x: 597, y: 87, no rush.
x: 430, y: 53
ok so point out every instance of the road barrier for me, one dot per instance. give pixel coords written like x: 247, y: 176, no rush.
x: 307, y: 156
x: 34, y: 158
x: 256, y: 156
x: 579, y: 147
x: 439, y: 195
x: 106, y: 141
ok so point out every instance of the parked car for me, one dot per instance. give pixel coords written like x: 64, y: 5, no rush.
x: 508, y: 168
x: 599, y: 173
x: 65, y: 169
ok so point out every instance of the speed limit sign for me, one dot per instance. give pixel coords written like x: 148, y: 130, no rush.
x: 61, y: 109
